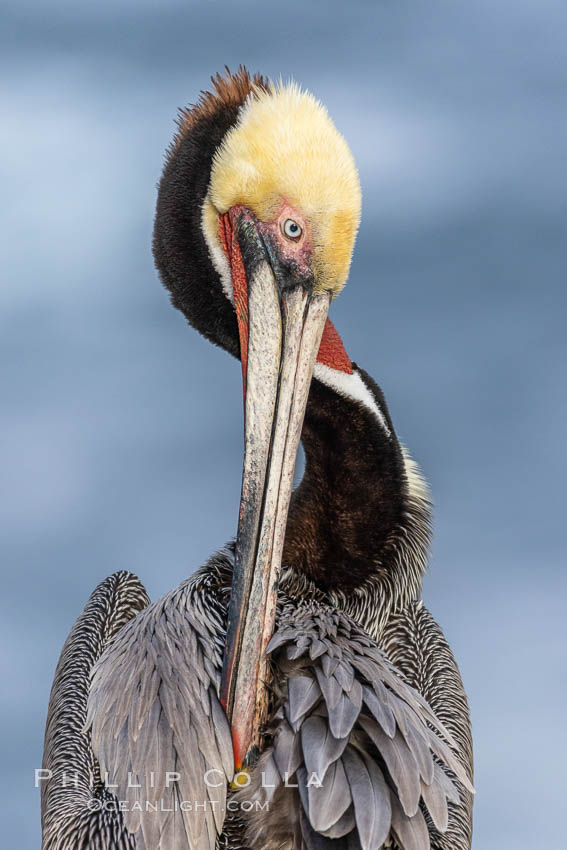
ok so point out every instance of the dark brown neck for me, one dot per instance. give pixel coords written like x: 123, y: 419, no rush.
x: 346, y: 513
x: 180, y: 251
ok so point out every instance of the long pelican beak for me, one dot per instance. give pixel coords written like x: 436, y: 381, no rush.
x: 280, y: 330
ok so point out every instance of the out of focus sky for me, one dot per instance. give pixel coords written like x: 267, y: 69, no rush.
x: 122, y: 429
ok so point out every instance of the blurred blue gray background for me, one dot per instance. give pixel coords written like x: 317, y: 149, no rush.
x: 121, y: 428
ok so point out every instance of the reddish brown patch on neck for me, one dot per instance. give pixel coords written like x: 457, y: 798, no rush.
x: 239, y: 287
x: 332, y: 351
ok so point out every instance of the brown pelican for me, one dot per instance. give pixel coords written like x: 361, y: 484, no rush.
x: 294, y: 693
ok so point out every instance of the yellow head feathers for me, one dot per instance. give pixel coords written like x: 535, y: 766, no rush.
x: 285, y: 147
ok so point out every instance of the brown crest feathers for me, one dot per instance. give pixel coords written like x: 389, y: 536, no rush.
x: 230, y: 90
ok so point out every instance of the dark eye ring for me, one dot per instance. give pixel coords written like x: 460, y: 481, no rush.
x: 292, y: 229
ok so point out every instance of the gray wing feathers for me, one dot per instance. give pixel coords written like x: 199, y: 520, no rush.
x: 411, y: 832
x: 370, y: 798
x: 414, y: 642
x: 320, y: 747
x: 157, y: 726
x: 71, y: 812
x: 368, y: 751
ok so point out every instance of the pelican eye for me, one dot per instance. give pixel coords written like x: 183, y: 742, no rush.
x: 292, y: 229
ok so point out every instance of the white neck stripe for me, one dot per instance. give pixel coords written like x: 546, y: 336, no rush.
x: 217, y: 256
x: 350, y: 386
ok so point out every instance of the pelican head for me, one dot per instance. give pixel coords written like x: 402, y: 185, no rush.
x: 257, y: 214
